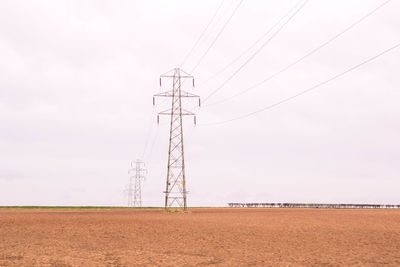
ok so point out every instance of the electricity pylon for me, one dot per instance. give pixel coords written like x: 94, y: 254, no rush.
x: 175, y: 192
x: 135, y: 187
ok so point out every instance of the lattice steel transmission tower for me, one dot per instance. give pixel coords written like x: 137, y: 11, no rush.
x: 175, y: 192
x: 136, y: 175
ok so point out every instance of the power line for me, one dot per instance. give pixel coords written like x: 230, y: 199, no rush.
x: 153, y: 143
x: 309, y: 89
x: 253, y: 45
x: 301, y: 58
x: 255, y: 53
x: 148, y: 134
x: 150, y: 130
x: 202, y: 33
x: 216, y: 38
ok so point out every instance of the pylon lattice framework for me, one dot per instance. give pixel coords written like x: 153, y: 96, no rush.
x: 135, y: 187
x: 175, y: 192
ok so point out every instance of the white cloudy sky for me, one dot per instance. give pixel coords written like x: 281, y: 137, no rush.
x: 76, y: 86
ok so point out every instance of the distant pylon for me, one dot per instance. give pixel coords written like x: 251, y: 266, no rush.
x: 175, y: 192
x: 135, y: 187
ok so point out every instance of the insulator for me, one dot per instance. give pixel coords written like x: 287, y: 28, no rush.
x: 160, y: 81
x: 193, y: 82
x: 199, y: 102
x: 194, y: 120
x: 154, y: 101
x: 158, y: 119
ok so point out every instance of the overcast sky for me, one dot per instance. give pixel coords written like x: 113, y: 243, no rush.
x: 76, y: 86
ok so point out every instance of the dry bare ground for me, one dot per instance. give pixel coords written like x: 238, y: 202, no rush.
x: 209, y: 236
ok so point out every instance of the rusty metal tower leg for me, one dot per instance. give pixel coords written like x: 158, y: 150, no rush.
x: 175, y: 191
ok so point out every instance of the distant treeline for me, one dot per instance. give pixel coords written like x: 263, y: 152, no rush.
x: 313, y: 205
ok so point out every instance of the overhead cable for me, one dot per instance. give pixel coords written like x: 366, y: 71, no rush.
x: 202, y: 33
x: 253, y: 45
x: 216, y: 38
x: 301, y: 58
x: 255, y: 53
x: 309, y: 89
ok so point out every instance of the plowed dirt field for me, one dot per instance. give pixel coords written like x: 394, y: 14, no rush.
x: 203, y: 236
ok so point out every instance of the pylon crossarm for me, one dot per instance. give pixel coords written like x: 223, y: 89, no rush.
x: 186, y: 112
x: 188, y: 74
x: 173, y: 76
x: 174, y: 72
x: 170, y: 112
x: 187, y: 94
x: 165, y: 94
x: 171, y: 94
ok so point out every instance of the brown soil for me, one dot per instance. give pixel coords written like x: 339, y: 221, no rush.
x: 221, y: 237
